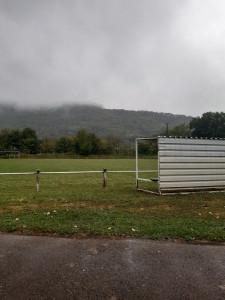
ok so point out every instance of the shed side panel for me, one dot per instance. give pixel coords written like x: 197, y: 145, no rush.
x: 190, y: 164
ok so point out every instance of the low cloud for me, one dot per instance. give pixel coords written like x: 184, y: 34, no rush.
x: 145, y: 55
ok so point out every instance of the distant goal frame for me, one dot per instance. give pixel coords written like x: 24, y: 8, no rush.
x: 10, y: 153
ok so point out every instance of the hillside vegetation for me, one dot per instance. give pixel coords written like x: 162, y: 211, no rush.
x: 67, y: 120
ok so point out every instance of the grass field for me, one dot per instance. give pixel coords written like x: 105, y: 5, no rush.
x: 76, y: 204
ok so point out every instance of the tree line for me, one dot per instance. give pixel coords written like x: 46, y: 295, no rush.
x: 210, y: 125
x: 83, y: 143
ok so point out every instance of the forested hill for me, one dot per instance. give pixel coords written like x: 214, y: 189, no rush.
x: 67, y: 120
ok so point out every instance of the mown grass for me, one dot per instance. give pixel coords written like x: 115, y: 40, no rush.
x: 76, y: 204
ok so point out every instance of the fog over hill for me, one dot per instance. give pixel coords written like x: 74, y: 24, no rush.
x: 124, y: 54
x: 68, y: 119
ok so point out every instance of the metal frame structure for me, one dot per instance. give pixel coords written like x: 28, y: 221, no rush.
x: 187, y: 165
x: 10, y: 153
x: 137, y: 169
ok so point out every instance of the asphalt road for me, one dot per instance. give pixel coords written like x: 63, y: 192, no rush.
x: 60, y: 268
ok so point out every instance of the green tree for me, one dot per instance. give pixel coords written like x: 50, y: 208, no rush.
x: 15, y: 139
x: 105, y: 147
x: 143, y: 148
x: 179, y: 130
x: 29, y: 141
x: 209, y: 125
x: 5, y: 139
x: 149, y: 147
x: 64, y: 145
x: 47, y: 145
x: 83, y: 144
x: 95, y: 143
x: 114, y: 144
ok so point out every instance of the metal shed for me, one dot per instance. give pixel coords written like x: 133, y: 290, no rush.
x: 188, y: 165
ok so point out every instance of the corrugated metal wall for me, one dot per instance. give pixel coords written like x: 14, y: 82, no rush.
x: 191, y: 164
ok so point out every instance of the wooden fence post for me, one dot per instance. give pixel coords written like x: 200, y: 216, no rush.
x: 38, y: 179
x: 104, y: 177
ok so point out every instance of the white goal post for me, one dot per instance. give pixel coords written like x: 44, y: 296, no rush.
x: 10, y: 153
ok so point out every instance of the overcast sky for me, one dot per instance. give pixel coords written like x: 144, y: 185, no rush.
x: 156, y: 55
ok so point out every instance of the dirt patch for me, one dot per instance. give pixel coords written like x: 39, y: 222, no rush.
x: 65, y: 204
x: 11, y: 209
x: 101, y: 206
x: 15, y: 208
x: 84, y: 204
x: 165, y: 206
x: 34, y: 206
x: 155, y: 208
